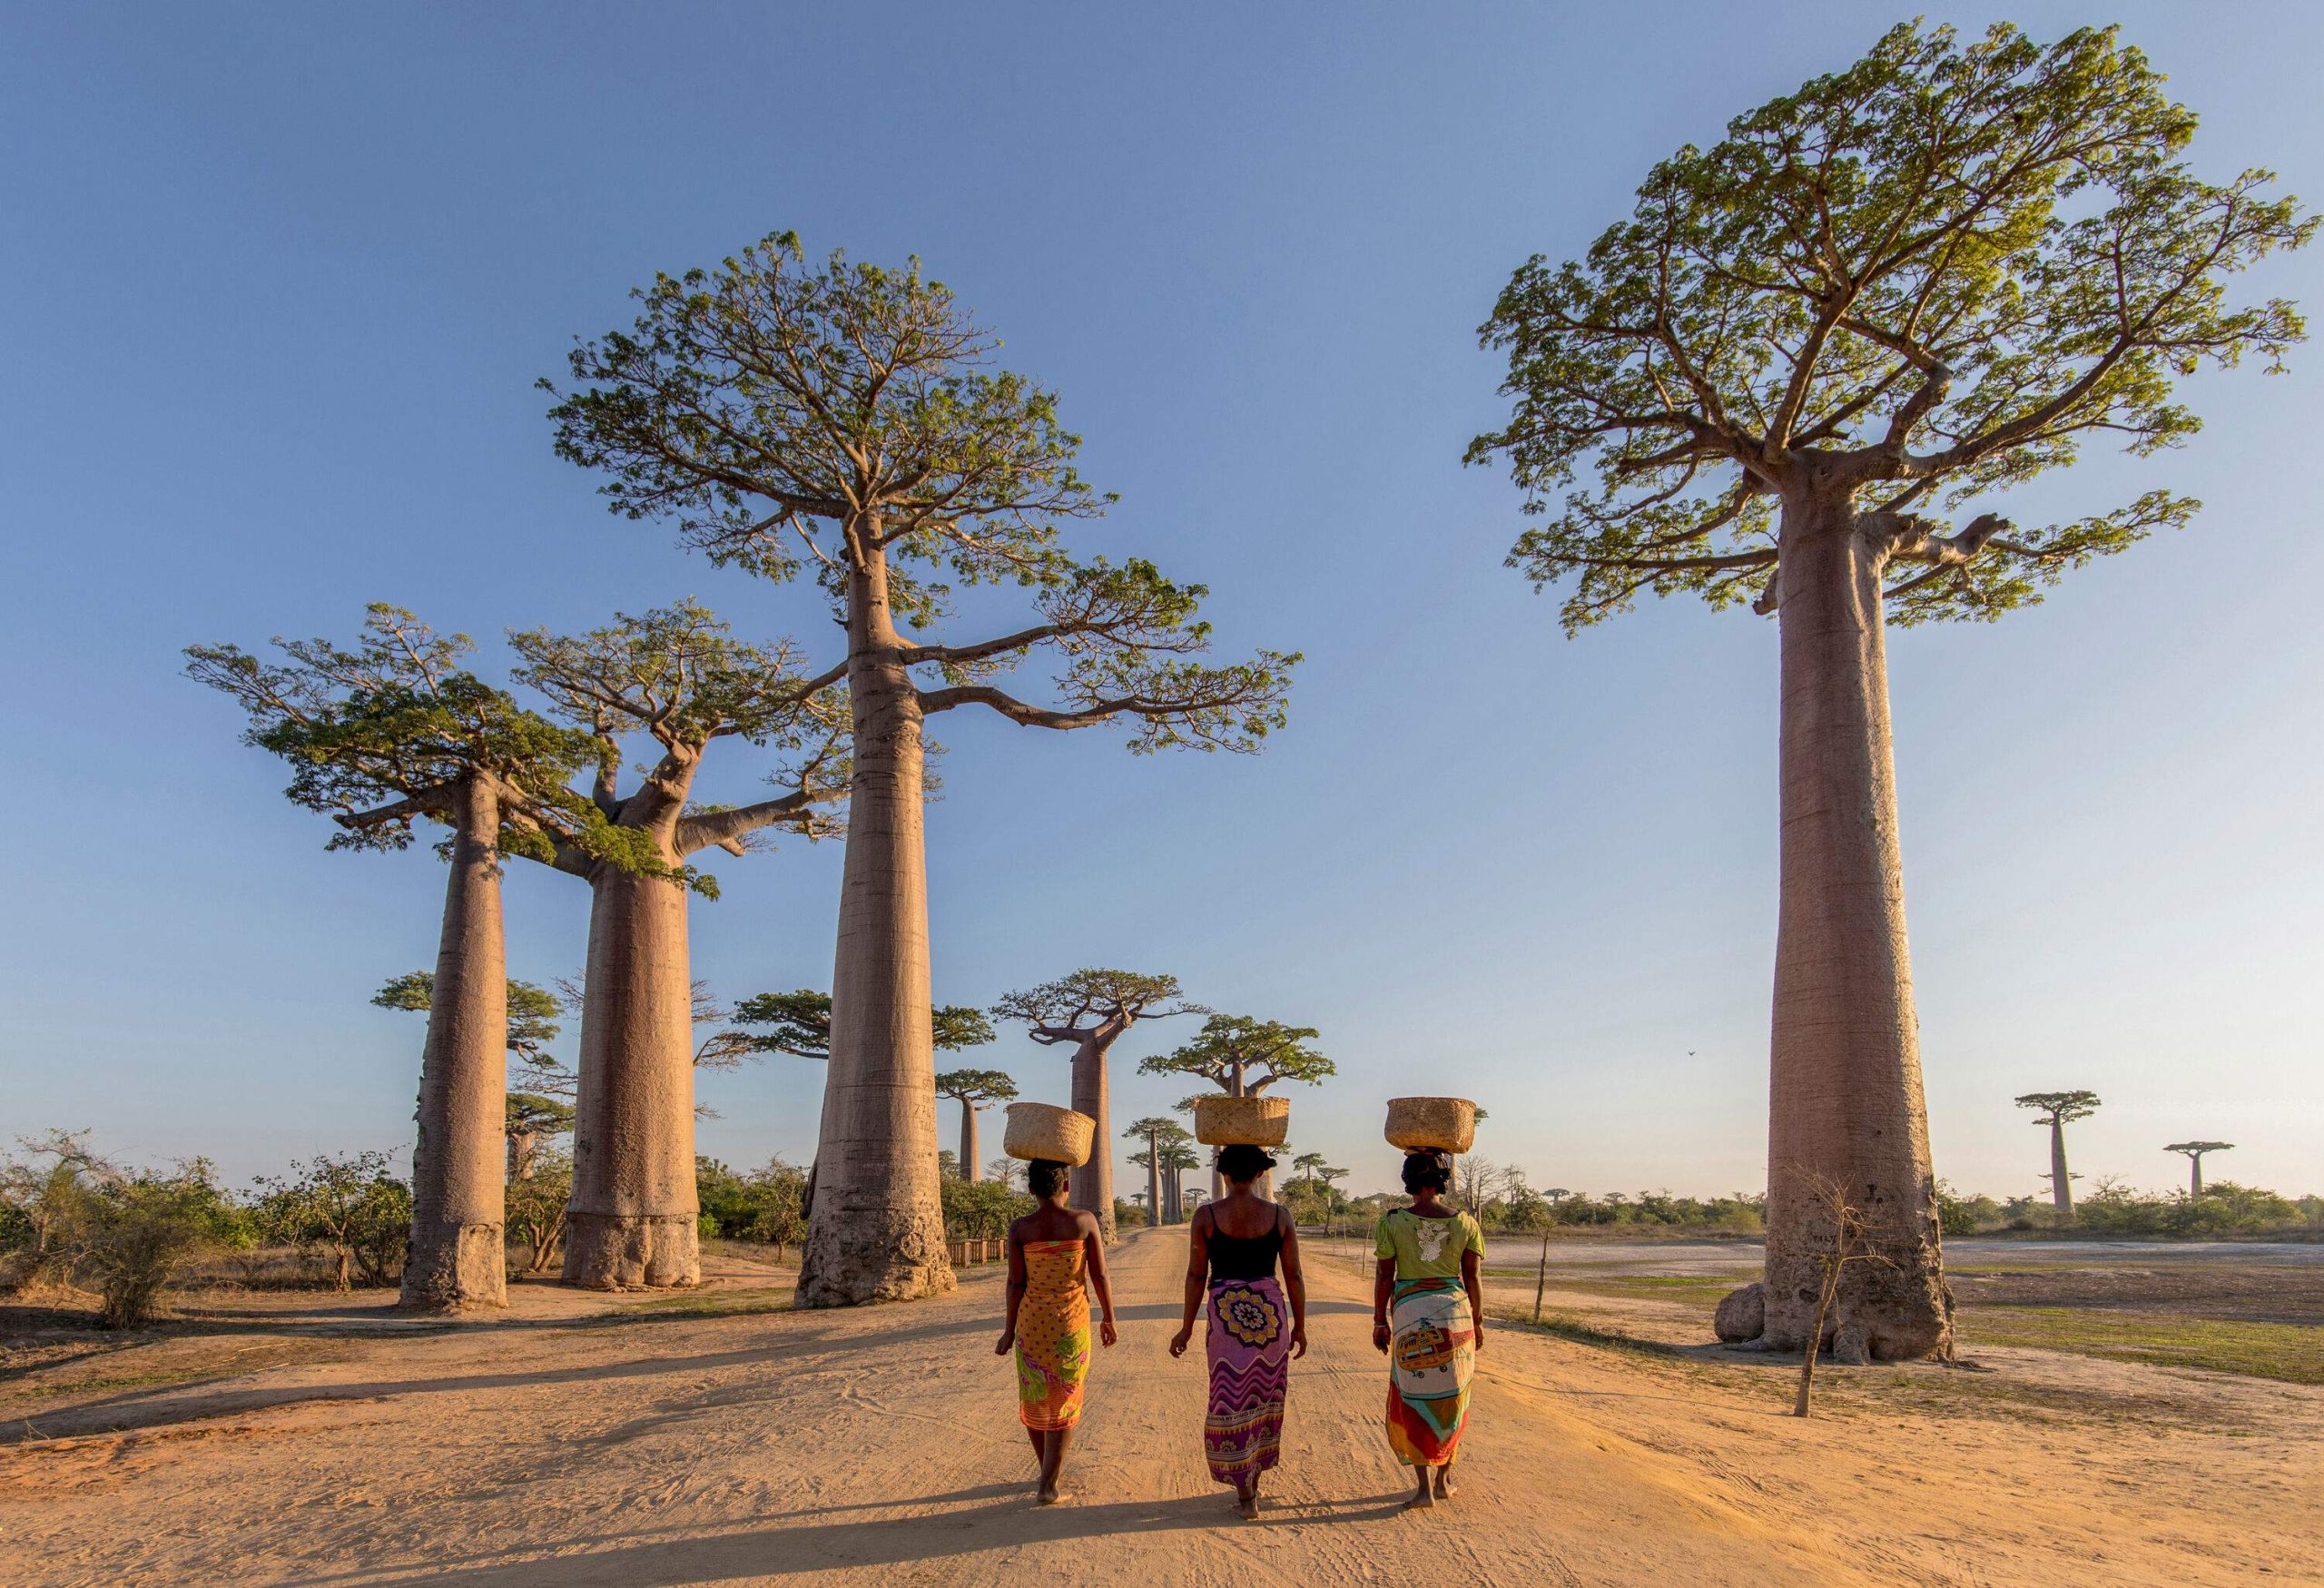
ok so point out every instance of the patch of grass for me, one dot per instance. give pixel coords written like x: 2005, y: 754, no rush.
x: 2292, y: 1353
x: 1582, y: 1331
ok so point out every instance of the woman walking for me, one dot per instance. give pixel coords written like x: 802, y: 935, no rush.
x: 1233, y: 1248
x: 1429, y: 1317
x: 1056, y: 1257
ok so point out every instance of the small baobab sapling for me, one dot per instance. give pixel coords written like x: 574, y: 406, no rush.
x: 1841, y: 1238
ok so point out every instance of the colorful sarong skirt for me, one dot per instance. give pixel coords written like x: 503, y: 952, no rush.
x: 1249, y: 1346
x: 1431, y: 1353
x: 1052, y: 1336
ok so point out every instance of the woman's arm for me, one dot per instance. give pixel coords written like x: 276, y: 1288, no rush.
x: 1476, y: 1294
x: 1197, y: 1271
x: 1016, y: 1292
x: 1295, y: 1284
x: 1093, y: 1242
x: 1384, y: 1283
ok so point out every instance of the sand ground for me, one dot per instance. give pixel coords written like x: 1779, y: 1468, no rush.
x: 580, y: 1442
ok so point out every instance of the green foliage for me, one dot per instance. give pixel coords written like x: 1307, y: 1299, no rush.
x: 800, y: 1025
x: 1095, y: 995
x: 765, y: 1205
x: 532, y: 1026
x: 1959, y: 1215
x: 349, y: 1208
x: 536, y: 1206
x: 974, y: 1087
x: 384, y: 732
x: 528, y: 1113
x: 2224, y: 1208
x: 1931, y: 275
x: 1241, y: 1055
x: 137, y: 1230
x: 2060, y: 1108
x: 44, y: 1191
x: 982, y: 1209
x: 844, y: 415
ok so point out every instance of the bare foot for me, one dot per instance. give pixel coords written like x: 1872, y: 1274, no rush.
x: 1048, y: 1496
x: 1423, y: 1500
x: 1444, y: 1482
x: 1247, y: 1506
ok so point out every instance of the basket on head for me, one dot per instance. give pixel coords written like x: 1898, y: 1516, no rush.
x: 1044, y: 1130
x: 1248, y: 1121
x: 1438, y: 1124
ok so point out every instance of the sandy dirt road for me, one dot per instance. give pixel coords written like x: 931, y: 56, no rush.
x: 880, y: 1445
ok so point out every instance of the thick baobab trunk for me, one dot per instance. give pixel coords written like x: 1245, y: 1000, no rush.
x: 459, y: 1194
x: 1154, y: 1181
x: 631, y: 1221
x: 969, y: 1172
x: 2061, y: 1182
x: 878, y: 1234
x: 522, y: 1145
x: 2197, y: 1161
x: 1845, y: 1098
x: 1092, y: 1183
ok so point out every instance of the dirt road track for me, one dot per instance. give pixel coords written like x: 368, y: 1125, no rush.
x: 880, y: 1445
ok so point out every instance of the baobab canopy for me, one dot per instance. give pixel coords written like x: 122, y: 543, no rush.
x: 1937, y: 273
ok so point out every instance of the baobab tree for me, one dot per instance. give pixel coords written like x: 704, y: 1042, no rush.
x: 528, y: 1117
x: 972, y: 1089
x: 1090, y: 1010
x: 1243, y: 1057
x: 800, y: 1025
x: 677, y: 676
x: 379, y: 736
x: 1894, y: 294
x: 1159, y: 1132
x: 2057, y: 1111
x: 2195, y: 1151
x: 845, y: 416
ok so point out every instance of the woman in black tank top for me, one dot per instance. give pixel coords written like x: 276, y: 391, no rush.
x: 1233, y: 1246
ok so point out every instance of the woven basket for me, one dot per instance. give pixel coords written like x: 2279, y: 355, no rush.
x: 1252, y: 1121
x: 1043, y: 1130
x: 1444, y: 1124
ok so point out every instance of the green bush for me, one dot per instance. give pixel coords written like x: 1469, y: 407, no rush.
x: 349, y: 1209
x: 767, y: 1206
x: 982, y: 1209
x: 140, y: 1228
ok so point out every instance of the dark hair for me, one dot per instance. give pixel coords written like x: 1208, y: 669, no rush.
x: 1045, y: 1177
x: 1427, y: 1167
x: 1244, y: 1163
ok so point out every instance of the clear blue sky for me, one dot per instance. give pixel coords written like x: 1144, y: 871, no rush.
x: 277, y: 282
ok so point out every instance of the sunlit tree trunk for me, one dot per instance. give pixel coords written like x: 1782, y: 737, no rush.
x: 459, y: 1189
x: 878, y: 1234
x: 632, y: 1216
x: 1844, y: 1091
x: 1093, y: 1182
x: 971, y: 1170
x: 1154, y: 1213
x: 2061, y: 1182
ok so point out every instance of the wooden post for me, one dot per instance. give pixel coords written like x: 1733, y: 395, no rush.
x: 1542, y: 1280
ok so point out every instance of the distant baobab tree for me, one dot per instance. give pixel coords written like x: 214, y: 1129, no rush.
x: 972, y: 1089
x: 2059, y: 1110
x: 2195, y: 1151
x: 380, y: 735
x: 845, y: 420
x: 1159, y: 1131
x: 1243, y: 1057
x: 1801, y: 372
x: 1090, y: 1010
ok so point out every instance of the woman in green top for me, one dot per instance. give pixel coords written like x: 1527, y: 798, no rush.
x: 1428, y: 1316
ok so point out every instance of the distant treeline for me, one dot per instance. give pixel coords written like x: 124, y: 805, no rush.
x: 2224, y: 1208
